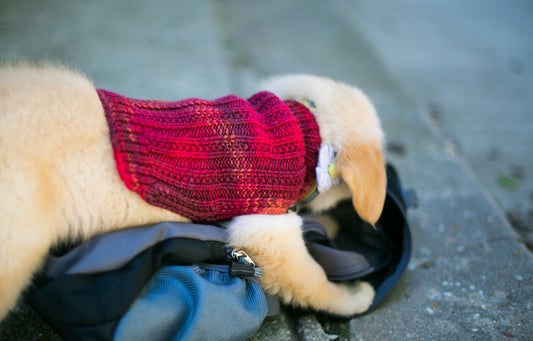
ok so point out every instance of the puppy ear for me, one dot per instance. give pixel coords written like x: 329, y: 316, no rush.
x: 362, y: 167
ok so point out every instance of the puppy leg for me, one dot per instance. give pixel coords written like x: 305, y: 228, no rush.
x: 27, y: 230
x: 276, y: 244
x: 21, y: 255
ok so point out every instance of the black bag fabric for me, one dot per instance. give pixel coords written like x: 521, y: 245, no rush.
x: 94, y: 290
x: 379, y: 254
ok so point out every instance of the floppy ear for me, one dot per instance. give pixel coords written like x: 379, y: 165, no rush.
x: 362, y: 167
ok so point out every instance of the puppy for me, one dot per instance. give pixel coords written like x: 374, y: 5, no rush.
x: 61, y: 178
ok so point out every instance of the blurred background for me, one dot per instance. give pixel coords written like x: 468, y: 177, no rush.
x: 462, y: 68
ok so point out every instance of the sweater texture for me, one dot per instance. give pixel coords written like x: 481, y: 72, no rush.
x: 214, y: 160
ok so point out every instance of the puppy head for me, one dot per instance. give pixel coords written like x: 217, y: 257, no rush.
x: 348, y: 121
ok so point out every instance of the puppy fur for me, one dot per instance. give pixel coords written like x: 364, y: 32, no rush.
x: 59, y: 181
x: 348, y: 121
x: 276, y: 243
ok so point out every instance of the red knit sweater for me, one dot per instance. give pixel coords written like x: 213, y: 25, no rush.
x: 214, y: 160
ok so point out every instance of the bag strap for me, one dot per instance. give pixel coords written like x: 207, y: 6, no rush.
x: 115, y: 249
x: 338, y: 264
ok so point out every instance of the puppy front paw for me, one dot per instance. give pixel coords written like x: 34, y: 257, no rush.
x: 276, y: 244
x: 360, y: 297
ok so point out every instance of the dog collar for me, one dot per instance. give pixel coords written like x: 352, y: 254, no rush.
x: 326, y: 176
x: 326, y: 169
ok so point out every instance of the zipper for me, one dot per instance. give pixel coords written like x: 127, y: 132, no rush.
x: 242, y: 265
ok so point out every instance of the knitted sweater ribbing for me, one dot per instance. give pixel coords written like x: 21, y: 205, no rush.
x: 214, y: 160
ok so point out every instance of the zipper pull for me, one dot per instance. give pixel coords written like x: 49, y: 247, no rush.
x: 242, y: 257
x: 244, y: 265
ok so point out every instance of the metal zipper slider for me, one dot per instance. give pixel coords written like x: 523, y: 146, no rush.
x: 242, y: 257
x: 247, y: 266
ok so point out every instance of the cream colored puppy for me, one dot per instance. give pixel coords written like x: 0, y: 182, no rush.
x: 58, y: 180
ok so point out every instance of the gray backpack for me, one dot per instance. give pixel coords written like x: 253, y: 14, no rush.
x: 178, y: 281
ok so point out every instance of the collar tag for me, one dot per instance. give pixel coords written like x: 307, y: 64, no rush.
x: 326, y: 173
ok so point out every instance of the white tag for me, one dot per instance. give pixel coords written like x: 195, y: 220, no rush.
x: 324, y: 181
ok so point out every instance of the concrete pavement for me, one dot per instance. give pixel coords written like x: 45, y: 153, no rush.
x: 441, y: 74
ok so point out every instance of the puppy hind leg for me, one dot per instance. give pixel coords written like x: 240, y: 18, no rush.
x: 21, y: 254
x: 28, y: 225
x: 276, y: 244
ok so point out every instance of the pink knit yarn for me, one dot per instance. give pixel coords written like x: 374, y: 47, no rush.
x: 214, y: 160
